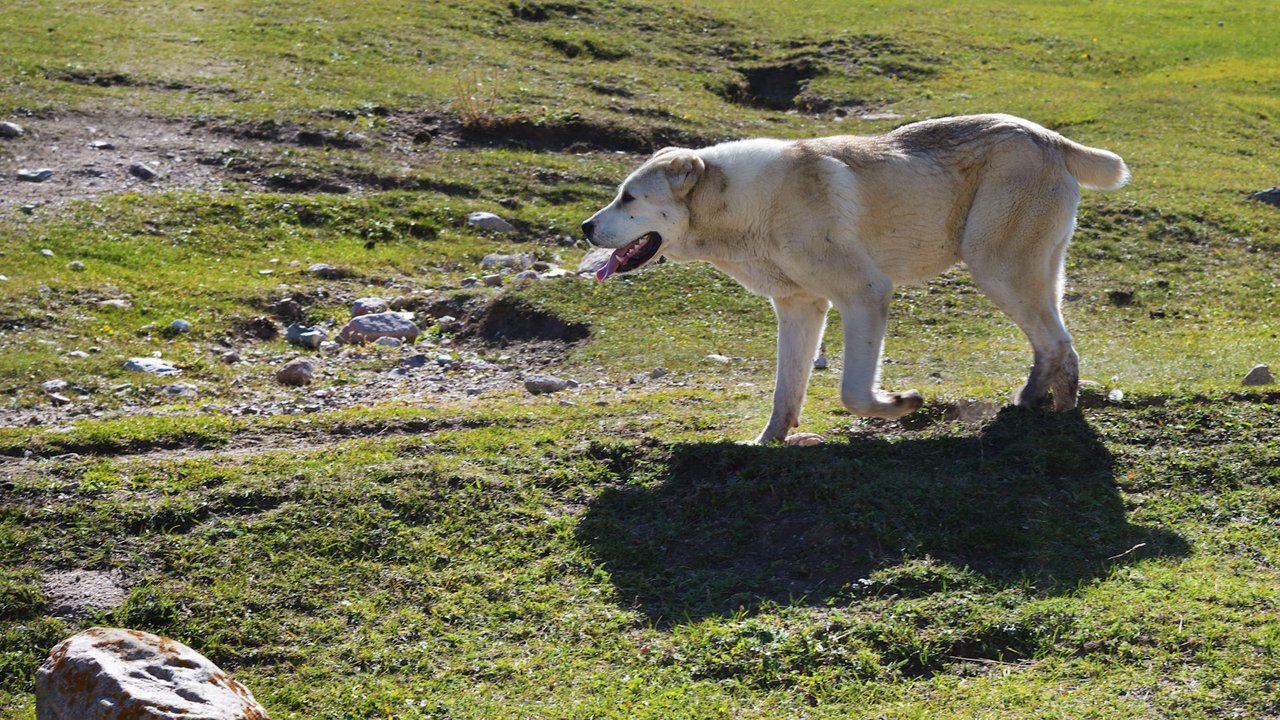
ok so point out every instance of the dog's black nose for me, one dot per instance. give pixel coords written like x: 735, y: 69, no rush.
x: 587, y: 228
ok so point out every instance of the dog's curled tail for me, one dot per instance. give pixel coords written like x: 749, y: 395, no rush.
x: 1095, y: 168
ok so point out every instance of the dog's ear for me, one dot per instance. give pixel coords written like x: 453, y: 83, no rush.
x: 683, y: 168
x: 666, y: 151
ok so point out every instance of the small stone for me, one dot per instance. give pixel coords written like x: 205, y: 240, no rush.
x: 102, y: 145
x: 231, y: 357
x: 78, y: 354
x: 151, y: 365
x: 489, y: 222
x: 414, y: 361
x: 541, y: 384
x: 400, y: 302
x: 1115, y: 395
x: 392, y: 342
x: 184, y: 390
x: 37, y: 175
x: 53, y: 386
x: 310, y: 337
x: 115, y: 304
x: 821, y: 362
x: 298, y: 371
x: 493, y: 280
x: 368, y: 306
x: 11, y: 130
x: 470, y: 282
x: 75, y: 266
x: 326, y: 271
x: 1271, y: 196
x: 657, y: 373
x: 1259, y: 375
x: 804, y: 440
x: 46, y: 252
x: 329, y: 346
x: 722, y: 359
x: 142, y: 172
x: 104, y: 673
x: 526, y: 276
x: 288, y: 310
x: 180, y: 326
x: 367, y: 328
x: 444, y: 359
x: 497, y: 261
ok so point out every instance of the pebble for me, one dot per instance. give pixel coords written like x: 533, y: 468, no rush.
x: 470, y: 282
x: 59, y: 399
x: 657, y: 373
x: 102, y: 145
x: 142, y: 172
x: 298, y: 371
x: 53, y: 386
x: 310, y: 337
x: 518, y: 261
x: 527, y: 276
x: 46, y: 252
x: 541, y: 384
x: 392, y: 342
x: 1259, y: 375
x: 78, y: 354
x: 414, y: 361
x: 489, y: 222
x: 11, y: 129
x: 186, y: 390
x: 326, y: 271
x: 368, y: 306
x: 180, y: 326
x: 75, y: 266
x: 231, y: 357
x: 367, y: 328
x: 722, y: 359
x: 115, y: 304
x: 151, y: 365
x: 821, y: 362
x: 494, y: 280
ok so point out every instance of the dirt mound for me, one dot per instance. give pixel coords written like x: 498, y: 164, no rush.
x: 506, y: 321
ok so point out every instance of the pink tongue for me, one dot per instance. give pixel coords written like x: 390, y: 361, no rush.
x: 610, y: 267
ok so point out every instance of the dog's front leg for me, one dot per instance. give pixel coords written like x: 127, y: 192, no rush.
x: 801, y: 320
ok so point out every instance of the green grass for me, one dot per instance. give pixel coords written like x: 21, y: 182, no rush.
x: 621, y: 556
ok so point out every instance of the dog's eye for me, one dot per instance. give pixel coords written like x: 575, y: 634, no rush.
x: 627, y: 197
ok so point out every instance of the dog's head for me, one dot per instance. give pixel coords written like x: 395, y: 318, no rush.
x: 650, y: 214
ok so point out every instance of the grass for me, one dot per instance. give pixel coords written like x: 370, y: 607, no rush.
x: 619, y: 555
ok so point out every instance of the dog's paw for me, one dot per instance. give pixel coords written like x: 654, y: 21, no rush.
x: 804, y: 440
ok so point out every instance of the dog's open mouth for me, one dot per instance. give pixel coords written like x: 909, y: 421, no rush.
x: 631, y: 256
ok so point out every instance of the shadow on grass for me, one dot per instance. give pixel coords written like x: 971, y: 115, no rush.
x: 1031, y: 498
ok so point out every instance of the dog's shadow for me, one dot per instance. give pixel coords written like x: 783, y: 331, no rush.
x: 720, y: 528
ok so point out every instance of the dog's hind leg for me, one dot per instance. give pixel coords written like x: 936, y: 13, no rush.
x: 801, y: 320
x: 864, y: 317
x: 1015, y: 248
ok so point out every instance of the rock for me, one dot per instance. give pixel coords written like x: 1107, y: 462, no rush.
x: 368, y: 306
x: 401, y: 302
x: 180, y: 326
x: 59, y: 399
x: 494, y: 280
x: 1270, y: 196
x: 53, y: 386
x: 541, y: 384
x: 115, y: 304
x: 329, y: 346
x: 393, y: 342
x: 102, y: 145
x: 554, y: 273
x: 1259, y: 375
x: 298, y: 371
x: 415, y: 361
x: 880, y: 116
x: 46, y: 252
x: 594, y: 260
x: 153, y: 366
x: 497, y: 261
x: 657, y: 373
x: 526, y: 276
x: 309, y: 337
x: 78, y: 354
x: 75, y: 266
x: 185, y: 390
x: 804, y: 440
x: 37, y: 175
x: 470, y: 282
x: 142, y: 172
x: 821, y: 362
x: 326, y: 271
x: 367, y: 328
x: 231, y: 357
x: 288, y: 310
x: 113, y: 673
x: 722, y: 359
x: 489, y: 222
x: 11, y: 130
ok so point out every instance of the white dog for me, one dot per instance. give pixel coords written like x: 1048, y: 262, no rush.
x: 842, y: 220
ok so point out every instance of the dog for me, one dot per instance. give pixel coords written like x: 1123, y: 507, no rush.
x: 843, y: 220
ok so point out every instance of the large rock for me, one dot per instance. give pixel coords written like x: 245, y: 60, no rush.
x: 113, y: 674
x: 1271, y: 196
x: 298, y: 371
x: 367, y: 328
x: 11, y: 130
x: 490, y: 222
x: 1259, y: 375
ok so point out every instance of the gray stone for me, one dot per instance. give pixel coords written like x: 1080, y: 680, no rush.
x: 78, y: 354
x: 415, y: 361
x: 53, y: 386
x: 153, y: 366
x: 526, y: 276
x: 75, y: 266
x: 298, y: 371
x: 36, y: 175
x: 494, y: 280
x: 102, y: 145
x: 542, y: 384
x: 821, y: 362
x: 309, y: 337
x: 46, y: 252
x: 1270, y: 196
x: 180, y: 326
x: 231, y: 357
x: 368, y: 328
x: 489, y: 222
x: 114, y: 673
x: 326, y: 271
x: 595, y: 259
x: 368, y: 306
x: 11, y: 130
x: 115, y: 304
x: 657, y: 373
x: 143, y: 172
x: 497, y: 261
x: 392, y: 342
x: 1259, y: 375
x: 59, y: 399
x: 185, y: 390
x: 722, y: 359
x: 470, y: 282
